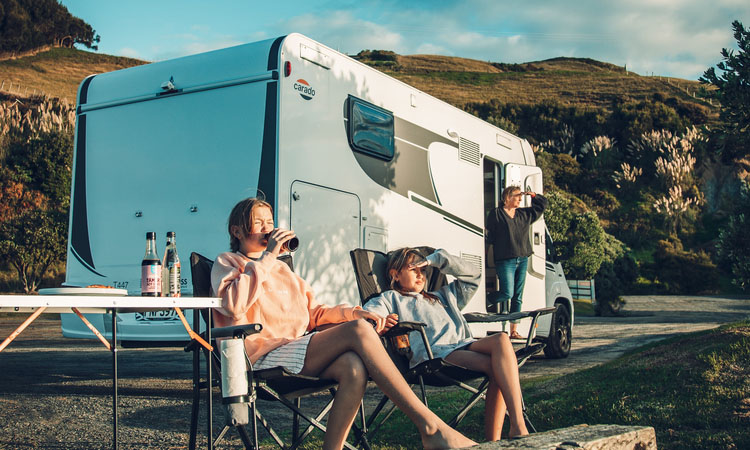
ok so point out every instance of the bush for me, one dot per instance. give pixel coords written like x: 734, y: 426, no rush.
x: 32, y: 242
x: 684, y: 272
x: 612, y: 281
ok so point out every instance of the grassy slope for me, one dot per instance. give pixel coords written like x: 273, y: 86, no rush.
x: 694, y: 390
x: 581, y: 82
x: 572, y: 81
x: 59, y: 71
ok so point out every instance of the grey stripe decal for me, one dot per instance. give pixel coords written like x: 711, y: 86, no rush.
x: 451, y: 217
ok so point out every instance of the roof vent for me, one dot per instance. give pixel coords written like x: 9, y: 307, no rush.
x: 469, y: 151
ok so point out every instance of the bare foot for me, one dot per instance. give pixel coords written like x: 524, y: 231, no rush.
x: 518, y: 431
x: 445, y: 438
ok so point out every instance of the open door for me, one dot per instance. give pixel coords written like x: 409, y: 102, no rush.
x: 529, y: 178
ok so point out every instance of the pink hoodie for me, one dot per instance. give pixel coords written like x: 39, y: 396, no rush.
x: 267, y: 292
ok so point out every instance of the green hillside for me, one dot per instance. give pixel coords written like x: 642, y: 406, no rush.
x: 56, y: 72
x: 569, y: 81
x: 579, y: 82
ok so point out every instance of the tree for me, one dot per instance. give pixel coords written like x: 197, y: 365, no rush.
x: 733, y: 92
x: 734, y: 241
x: 44, y: 163
x: 32, y: 242
x: 30, y: 24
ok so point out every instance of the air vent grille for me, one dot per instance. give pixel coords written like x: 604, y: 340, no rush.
x: 469, y: 151
x: 475, y: 260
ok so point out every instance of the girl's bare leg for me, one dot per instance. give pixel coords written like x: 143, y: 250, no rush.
x: 351, y: 375
x: 504, y: 373
x: 494, y: 413
x: 494, y: 405
x: 359, y: 337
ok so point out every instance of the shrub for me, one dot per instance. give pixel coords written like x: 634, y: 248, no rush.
x: 734, y: 241
x: 683, y: 271
x: 32, y: 242
x: 612, y: 281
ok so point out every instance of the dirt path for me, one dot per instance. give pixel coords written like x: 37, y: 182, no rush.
x: 55, y: 392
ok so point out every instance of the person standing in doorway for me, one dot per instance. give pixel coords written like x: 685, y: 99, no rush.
x: 508, y: 232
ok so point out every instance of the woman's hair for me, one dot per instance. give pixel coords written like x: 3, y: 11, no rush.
x: 400, y: 259
x: 242, y: 217
x: 507, y: 192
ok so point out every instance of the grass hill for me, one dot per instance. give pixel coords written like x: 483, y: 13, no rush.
x: 570, y: 81
x: 578, y: 82
x: 56, y: 72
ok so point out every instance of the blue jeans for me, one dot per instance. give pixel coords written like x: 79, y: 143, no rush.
x: 511, y: 273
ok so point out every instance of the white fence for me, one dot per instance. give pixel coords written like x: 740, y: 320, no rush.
x: 583, y: 289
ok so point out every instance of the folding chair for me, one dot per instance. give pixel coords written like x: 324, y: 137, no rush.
x: 274, y: 384
x: 370, y: 271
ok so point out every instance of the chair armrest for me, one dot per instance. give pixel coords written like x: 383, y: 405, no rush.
x: 237, y: 331
x: 486, y: 317
x: 404, y: 328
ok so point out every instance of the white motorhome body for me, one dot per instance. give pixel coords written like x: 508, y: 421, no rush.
x: 348, y: 156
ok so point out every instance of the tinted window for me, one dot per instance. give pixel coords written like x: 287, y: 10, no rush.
x: 370, y: 129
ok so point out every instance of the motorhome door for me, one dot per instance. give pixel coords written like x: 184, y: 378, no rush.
x: 327, y: 222
x: 529, y: 178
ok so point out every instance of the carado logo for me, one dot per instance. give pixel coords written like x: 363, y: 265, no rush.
x: 304, y: 89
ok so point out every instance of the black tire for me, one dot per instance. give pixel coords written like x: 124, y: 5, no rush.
x: 560, y: 333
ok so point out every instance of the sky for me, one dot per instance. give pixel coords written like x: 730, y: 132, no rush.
x: 675, y: 38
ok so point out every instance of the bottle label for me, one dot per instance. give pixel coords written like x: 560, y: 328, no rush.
x: 151, y: 279
x: 174, y: 279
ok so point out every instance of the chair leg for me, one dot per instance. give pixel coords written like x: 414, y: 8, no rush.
x: 270, y: 430
x: 295, y: 420
x: 253, y: 411
x: 361, y: 433
x: 196, y: 400
x: 529, y: 425
x: 475, y: 398
x: 245, y: 438
x: 220, y: 436
x: 424, y: 392
x: 301, y: 438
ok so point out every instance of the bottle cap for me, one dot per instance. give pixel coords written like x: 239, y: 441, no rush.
x: 170, y: 233
x: 150, y: 235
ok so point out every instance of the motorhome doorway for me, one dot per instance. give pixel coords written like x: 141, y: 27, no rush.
x: 493, y: 185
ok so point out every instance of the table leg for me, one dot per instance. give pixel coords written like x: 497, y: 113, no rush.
x: 209, y: 377
x: 114, y: 378
x: 22, y: 327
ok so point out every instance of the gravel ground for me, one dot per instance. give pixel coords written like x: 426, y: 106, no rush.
x: 55, y: 393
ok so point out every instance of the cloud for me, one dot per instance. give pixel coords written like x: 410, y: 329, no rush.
x: 129, y: 53
x: 344, y: 32
x: 645, y: 34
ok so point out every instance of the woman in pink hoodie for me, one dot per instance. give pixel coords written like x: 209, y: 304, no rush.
x: 257, y: 288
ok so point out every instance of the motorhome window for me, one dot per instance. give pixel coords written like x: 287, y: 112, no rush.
x: 370, y: 129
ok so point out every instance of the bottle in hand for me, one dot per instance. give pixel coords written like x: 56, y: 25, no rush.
x: 171, y: 268
x: 151, y: 269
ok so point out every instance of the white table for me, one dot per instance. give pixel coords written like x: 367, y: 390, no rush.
x: 105, y: 304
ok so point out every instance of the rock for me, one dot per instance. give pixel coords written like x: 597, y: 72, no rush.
x: 589, y: 437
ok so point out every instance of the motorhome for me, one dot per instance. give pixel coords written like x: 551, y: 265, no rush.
x: 348, y: 156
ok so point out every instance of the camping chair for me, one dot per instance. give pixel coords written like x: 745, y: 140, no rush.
x: 274, y: 384
x: 370, y: 271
